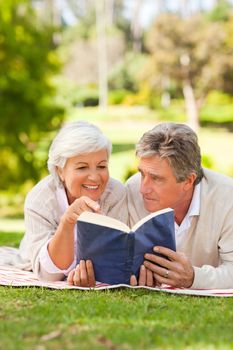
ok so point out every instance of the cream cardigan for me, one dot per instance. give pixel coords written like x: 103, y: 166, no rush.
x: 208, y: 242
x: 42, y: 215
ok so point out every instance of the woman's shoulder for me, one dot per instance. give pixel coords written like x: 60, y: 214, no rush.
x: 115, y: 187
x: 113, y: 192
x: 43, y: 191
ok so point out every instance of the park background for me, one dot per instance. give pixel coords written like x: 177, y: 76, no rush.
x: 124, y: 65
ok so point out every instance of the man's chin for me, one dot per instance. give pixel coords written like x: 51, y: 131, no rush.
x: 151, y: 206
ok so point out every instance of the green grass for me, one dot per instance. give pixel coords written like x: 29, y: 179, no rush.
x: 39, y: 319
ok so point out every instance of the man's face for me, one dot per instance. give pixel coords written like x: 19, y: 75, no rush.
x: 159, y: 187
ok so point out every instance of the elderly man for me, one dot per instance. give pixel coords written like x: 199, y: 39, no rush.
x: 170, y: 175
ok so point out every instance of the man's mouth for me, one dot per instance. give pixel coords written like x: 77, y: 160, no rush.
x: 148, y: 199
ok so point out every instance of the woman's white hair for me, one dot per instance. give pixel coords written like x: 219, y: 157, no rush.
x: 75, y: 138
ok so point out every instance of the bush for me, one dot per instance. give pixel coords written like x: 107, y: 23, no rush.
x: 86, y: 97
x: 116, y: 97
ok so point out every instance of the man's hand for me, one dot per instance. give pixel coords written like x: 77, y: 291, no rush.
x: 83, y: 275
x: 177, y: 271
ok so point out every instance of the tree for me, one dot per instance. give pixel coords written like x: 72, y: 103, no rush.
x: 190, y: 51
x: 28, y: 61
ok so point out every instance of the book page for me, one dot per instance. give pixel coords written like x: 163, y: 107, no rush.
x: 148, y: 217
x: 103, y: 220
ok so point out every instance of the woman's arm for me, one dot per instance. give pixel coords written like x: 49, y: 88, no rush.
x: 61, y: 246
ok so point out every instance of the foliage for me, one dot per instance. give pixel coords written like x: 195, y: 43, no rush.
x: 192, y: 54
x: 127, y: 74
x: 220, y: 12
x: 28, y: 61
x: 217, y: 110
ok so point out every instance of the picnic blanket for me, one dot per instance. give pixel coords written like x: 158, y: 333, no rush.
x: 11, y: 276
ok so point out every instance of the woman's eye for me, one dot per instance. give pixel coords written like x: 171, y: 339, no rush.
x: 81, y: 168
x: 102, y: 166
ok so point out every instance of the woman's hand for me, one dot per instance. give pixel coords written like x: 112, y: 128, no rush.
x: 80, y: 205
x: 83, y: 275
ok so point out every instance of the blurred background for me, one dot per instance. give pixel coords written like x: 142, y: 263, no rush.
x: 124, y: 65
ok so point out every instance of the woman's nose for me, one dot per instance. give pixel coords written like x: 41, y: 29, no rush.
x: 93, y: 175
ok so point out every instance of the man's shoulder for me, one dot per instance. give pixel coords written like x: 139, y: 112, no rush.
x: 216, y: 189
x: 133, y: 181
x: 216, y: 179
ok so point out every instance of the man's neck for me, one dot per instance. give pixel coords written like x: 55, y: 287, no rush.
x: 183, y: 207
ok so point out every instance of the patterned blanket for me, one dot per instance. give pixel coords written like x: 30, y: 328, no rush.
x: 11, y: 276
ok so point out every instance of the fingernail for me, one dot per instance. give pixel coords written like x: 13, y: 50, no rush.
x: 156, y: 249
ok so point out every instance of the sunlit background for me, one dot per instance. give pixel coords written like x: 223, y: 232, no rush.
x: 124, y: 65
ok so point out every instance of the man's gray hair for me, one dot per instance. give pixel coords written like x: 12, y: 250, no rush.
x: 75, y: 138
x: 177, y: 143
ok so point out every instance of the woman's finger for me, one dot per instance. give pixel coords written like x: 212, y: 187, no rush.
x: 90, y: 273
x: 70, y: 277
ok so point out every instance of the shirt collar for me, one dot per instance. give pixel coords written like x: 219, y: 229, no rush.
x: 194, y: 208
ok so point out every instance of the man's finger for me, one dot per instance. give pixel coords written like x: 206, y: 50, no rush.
x: 168, y: 253
x: 149, y: 278
x: 142, y: 276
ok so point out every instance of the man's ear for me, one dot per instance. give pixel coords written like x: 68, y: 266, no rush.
x: 189, y: 182
x: 60, y: 173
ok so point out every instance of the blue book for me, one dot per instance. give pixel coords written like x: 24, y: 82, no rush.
x: 117, y: 252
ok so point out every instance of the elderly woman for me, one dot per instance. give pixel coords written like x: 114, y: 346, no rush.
x: 78, y: 181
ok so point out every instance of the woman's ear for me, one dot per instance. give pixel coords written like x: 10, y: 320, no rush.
x: 189, y: 182
x: 60, y: 173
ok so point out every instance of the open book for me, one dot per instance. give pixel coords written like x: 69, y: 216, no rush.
x: 117, y: 251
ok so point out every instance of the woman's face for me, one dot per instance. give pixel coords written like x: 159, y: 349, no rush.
x: 85, y: 175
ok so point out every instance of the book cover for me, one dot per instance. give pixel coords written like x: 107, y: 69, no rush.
x: 117, y: 251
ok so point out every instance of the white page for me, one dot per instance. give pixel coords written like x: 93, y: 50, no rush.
x: 148, y: 217
x: 103, y: 220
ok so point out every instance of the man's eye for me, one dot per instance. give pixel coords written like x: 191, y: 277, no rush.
x: 81, y: 168
x: 102, y: 166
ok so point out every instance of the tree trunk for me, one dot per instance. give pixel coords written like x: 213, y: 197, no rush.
x: 191, y: 105
x: 102, y: 53
x: 136, y: 26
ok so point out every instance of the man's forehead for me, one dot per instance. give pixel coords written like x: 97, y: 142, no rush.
x: 153, y: 162
x: 154, y: 165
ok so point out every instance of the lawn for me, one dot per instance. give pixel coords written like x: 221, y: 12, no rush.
x: 41, y: 319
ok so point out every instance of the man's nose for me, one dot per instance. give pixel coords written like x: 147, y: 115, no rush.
x: 145, y: 187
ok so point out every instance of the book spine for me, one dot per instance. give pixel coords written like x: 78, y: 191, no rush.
x: 130, y: 256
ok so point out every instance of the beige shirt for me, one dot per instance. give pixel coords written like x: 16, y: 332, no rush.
x: 42, y: 216
x: 208, y: 242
